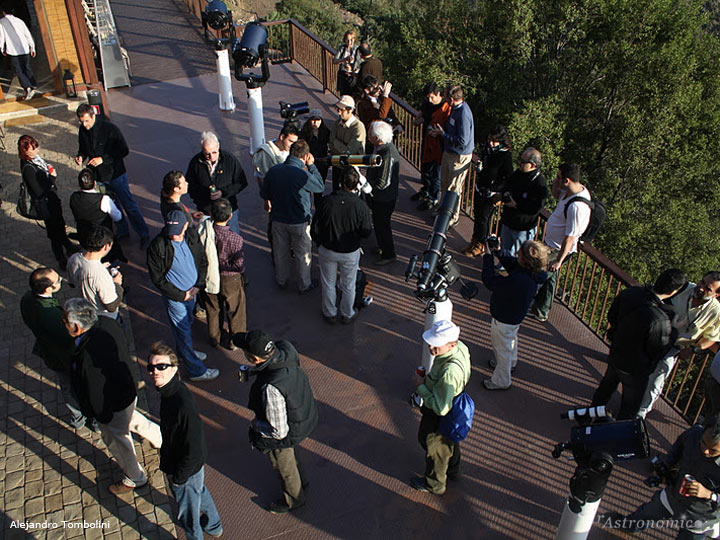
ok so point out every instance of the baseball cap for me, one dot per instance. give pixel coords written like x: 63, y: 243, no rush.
x: 441, y: 333
x: 255, y: 342
x: 346, y: 102
x: 175, y: 222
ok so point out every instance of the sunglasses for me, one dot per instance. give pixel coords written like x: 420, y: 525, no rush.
x: 159, y: 367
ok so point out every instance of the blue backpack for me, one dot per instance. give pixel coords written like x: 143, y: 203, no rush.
x: 456, y: 424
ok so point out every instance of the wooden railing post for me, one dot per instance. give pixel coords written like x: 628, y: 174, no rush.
x: 291, y: 40
x: 325, y: 70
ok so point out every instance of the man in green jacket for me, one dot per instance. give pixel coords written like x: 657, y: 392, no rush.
x: 447, y: 378
x: 42, y: 314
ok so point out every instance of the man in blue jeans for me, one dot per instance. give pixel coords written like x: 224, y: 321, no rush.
x: 177, y: 265
x: 102, y: 147
x: 183, y: 451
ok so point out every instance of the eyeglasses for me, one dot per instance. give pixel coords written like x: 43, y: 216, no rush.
x: 59, y: 281
x: 159, y: 367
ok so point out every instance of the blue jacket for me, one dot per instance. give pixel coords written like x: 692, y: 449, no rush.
x: 459, y: 136
x: 512, y: 295
x: 288, y: 187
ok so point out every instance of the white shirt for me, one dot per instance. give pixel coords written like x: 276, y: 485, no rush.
x: 578, y: 218
x: 107, y: 205
x: 15, y: 38
x: 94, y: 281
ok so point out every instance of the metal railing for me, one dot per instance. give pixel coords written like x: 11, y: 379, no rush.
x: 587, y: 284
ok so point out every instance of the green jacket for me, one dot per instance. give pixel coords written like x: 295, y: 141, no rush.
x: 447, y: 378
x: 52, y: 342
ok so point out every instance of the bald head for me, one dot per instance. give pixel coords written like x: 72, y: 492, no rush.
x: 530, y: 159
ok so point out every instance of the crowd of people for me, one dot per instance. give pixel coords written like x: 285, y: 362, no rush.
x: 197, y: 262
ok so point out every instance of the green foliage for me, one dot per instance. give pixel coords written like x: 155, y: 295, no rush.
x: 630, y: 89
x: 324, y: 18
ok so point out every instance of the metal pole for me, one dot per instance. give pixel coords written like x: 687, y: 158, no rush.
x: 225, y: 95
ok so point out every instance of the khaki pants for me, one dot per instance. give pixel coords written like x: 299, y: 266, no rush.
x: 442, y: 456
x: 230, y: 303
x: 503, y: 338
x: 291, y: 476
x: 454, y: 169
x: 296, y: 237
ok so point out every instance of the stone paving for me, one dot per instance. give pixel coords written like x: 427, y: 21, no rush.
x: 51, y: 475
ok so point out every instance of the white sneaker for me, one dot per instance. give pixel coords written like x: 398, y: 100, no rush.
x: 210, y: 375
x: 29, y: 94
x: 201, y: 356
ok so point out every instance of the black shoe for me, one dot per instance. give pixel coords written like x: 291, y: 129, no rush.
x: 348, y: 320
x: 313, y: 285
x: 420, y: 484
x: 330, y: 320
x: 280, y: 507
x: 417, y: 196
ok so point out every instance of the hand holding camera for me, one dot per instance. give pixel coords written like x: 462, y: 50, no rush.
x: 416, y: 400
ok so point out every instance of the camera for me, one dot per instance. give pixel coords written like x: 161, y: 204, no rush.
x: 290, y: 111
x: 661, y: 473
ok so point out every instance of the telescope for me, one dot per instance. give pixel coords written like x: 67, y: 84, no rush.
x: 346, y: 160
x: 290, y: 111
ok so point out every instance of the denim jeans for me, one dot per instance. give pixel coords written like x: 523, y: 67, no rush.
x: 21, y: 65
x: 511, y: 240
x: 120, y: 187
x: 347, y: 264
x: 430, y: 177
x: 233, y: 223
x: 654, y: 510
x: 194, y: 501
x: 181, y: 319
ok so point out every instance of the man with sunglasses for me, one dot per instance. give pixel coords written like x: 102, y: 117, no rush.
x: 42, y: 314
x: 697, y: 318
x: 106, y: 389
x: 183, y: 451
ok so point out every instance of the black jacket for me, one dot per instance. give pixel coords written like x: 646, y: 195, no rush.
x: 229, y: 178
x: 104, y: 140
x: 640, y: 331
x: 101, y: 371
x: 39, y: 183
x: 529, y: 190
x: 497, y: 167
x: 160, y: 254
x: 340, y: 222
x: 183, y: 450
x: 283, y: 371
x: 385, y: 179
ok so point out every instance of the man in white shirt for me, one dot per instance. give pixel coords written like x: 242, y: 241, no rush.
x: 86, y: 271
x: 562, y: 231
x: 17, y: 42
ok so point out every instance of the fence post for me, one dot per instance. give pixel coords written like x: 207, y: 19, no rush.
x: 325, y: 70
x: 291, y: 39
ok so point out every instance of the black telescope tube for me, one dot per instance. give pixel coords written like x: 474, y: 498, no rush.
x: 437, y: 240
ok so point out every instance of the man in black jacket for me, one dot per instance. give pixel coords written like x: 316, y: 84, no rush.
x: 640, y: 334
x: 384, y: 181
x: 285, y: 411
x: 102, y: 147
x: 42, y: 314
x: 212, y: 174
x: 177, y: 265
x: 523, y: 198
x: 105, y: 388
x: 183, y: 452
x: 340, y: 222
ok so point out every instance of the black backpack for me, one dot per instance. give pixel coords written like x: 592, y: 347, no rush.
x: 598, y: 213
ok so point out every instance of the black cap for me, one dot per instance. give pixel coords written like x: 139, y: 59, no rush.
x: 255, y: 342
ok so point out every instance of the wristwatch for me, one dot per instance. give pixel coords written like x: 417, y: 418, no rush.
x: 714, y: 497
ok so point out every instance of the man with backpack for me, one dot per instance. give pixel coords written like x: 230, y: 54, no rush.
x: 434, y: 395
x: 563, y: 229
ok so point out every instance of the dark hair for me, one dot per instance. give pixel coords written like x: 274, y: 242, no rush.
x: 499, y: 133
x: 350, y: 179
x: 39, y: 280
x: 221, y: 210
x: 84, y: 109
x: 571, y: 171
x: 711, y: 427
x: 97, y: 238
x: 25, y: 143
x: 713, y: 274
x: 369, y: 81
x: 299, y: 149
x: 160, y: 348
x: 289, y: 129
x: 669, y: 281
x: 86, y: 178
x: 365, y: 49
x: 431, y: 88
x: 456, y: 92
x: 170, y: 181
